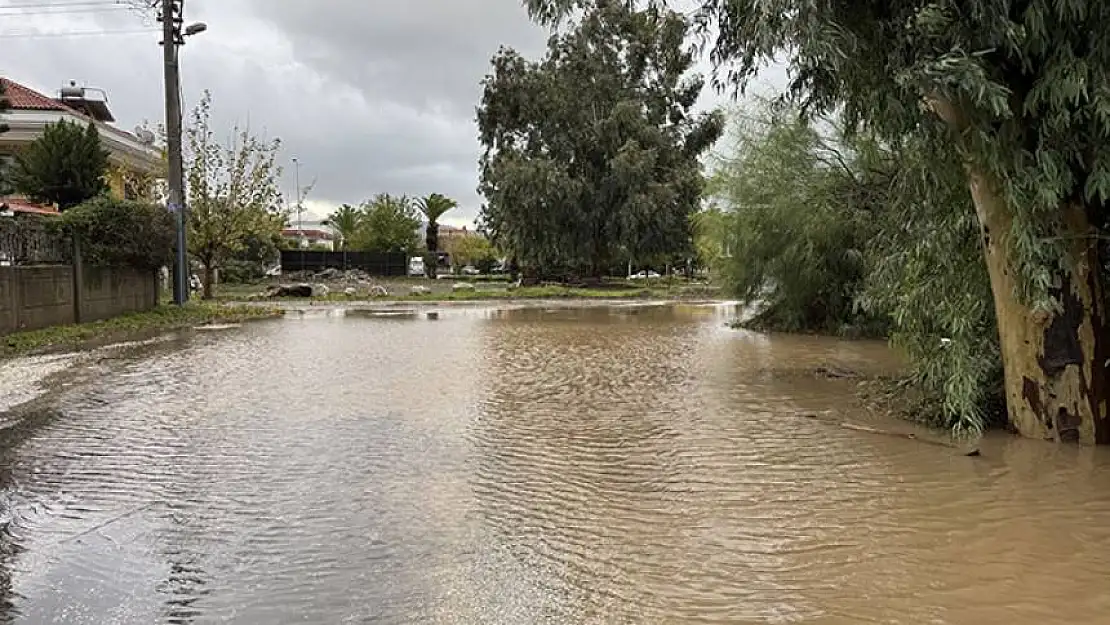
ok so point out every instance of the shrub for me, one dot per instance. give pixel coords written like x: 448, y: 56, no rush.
x: 121, y: 232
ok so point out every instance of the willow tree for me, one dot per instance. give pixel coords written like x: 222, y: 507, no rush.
x: 1019, y: 89
x: 591, y: 154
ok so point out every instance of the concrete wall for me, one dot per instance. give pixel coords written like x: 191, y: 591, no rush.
x: 40, y: 296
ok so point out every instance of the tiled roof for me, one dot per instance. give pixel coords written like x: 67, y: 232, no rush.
x: 26, y: 99
x: 21, y: 205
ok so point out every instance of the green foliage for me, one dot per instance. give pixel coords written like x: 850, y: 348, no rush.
x: 1016, y: 92
x: 713, y: 233
x: 345, y: 222
x: 591, y: 154
x: 121, y: 232
x: 233, y: 192
x: 433, y: 207
x: 474, y: 250
x: 389, y: 223
x: 5, y: 105
x: 259, y: 252
x: 926, y: 271
x: 803, y: 215
x: 65, y: 166
x: 832, y: 232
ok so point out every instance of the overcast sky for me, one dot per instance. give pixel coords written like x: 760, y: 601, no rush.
x: 371, y: 96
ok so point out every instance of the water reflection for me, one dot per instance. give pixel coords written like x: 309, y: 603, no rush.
x: 531, y: 465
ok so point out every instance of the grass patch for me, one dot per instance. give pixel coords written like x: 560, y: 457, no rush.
x: 442, y: 291
x: 162, y: 318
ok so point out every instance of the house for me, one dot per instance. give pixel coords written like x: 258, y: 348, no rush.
x: 134, y: 161
x: 306, y: 237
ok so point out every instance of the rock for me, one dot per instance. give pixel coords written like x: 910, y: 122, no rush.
x: 378, y: 291
x: 462, y: 286
x: 419, y: 289
x: 320, y: 290
x: 350, y: 291
x: 290, y: 290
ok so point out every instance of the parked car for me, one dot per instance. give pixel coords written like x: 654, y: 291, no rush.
x: 469, y: 270
x: 416, y: 266
x: 647, y: 273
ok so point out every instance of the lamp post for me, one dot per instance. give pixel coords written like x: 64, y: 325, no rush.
x: 173, y: 38
x: 297, y: 184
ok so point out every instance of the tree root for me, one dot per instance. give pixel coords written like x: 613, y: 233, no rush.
x: 871, y: 430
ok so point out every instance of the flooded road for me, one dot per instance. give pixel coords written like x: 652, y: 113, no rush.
x: 589, y: 465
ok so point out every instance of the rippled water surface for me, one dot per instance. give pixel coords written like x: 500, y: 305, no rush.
x: 594, y: 465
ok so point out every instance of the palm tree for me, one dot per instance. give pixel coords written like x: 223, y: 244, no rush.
x: 346, y: 221
x: 433, y: 207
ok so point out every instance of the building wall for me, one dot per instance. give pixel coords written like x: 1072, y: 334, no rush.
x: 41, y: 296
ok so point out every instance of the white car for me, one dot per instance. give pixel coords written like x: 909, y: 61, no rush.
x: 641, y: 275
x: 416, y: 266
x: 469, y: 270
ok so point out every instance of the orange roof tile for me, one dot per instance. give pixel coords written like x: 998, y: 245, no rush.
x: 27, y: 99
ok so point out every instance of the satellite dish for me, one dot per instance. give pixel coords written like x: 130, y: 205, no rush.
x: 145, y: 136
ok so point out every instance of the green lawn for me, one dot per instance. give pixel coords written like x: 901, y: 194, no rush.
x: 166, y: 317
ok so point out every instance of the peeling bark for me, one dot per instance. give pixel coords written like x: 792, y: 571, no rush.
x: 1055, y: 362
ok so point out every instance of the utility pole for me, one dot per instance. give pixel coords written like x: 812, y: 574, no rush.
x: 171, y: 38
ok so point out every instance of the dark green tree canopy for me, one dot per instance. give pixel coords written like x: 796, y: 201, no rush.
x: 389, y: 223
x: 591, y: 154
x: 1024, y: 84
x: 65, y: 166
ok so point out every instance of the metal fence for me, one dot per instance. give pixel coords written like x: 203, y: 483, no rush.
x: 26, y: 240
x: 373, y: 263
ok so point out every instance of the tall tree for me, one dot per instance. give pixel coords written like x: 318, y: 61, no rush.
x: 345, y: 221
x: 433, y: 207
x: 5, y: 106
x: 389, y: 224
x: 591, y: 154
x: 1019, y: 90
x: 233, y: 193
x: 65, y: 166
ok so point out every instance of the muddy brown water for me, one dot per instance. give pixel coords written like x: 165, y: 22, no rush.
x: 576, y: 465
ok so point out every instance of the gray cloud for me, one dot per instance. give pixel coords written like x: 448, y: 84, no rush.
x: 370, y: 96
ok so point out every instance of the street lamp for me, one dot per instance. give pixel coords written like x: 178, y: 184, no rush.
x: 300, y: 208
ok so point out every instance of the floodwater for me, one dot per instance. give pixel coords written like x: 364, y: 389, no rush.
x: 578, y: 465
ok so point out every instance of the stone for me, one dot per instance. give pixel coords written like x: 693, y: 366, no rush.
x: 378, y: 291
x: 290, y: 290
x: 462, y: 286
x: 350, y: 291
x: 320, y: 290
x: 419, y: 289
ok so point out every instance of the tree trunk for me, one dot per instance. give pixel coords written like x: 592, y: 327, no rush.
x: 431, y: 241
x: 209, y: 276
x: 1056, y: 361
